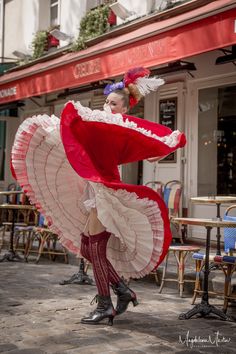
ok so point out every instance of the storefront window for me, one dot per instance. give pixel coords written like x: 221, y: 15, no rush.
x: 216, y: 141
x: 2, y: 149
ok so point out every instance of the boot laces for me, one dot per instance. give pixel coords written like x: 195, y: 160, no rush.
x: 94, y: 300
x: 100, y: 304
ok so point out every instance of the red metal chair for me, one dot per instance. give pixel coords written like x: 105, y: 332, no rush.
x: 157, y: 186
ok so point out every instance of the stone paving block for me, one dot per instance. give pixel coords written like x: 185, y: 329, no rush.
x: 27, y: 351
x: 39, y: 314
x: 7, y: 347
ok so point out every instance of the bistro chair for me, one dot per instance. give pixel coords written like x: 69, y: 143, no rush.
x: 21, y: 198
x: 23, y: 217
x: 22, y: 232
x: 172, y: 197
x: 172, y: 194
x: 11, y: 199
x: 225, y: 263
x: 43, y: 241
x: 157, y: 186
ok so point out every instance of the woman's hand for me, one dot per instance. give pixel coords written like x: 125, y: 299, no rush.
x: 153, y: 159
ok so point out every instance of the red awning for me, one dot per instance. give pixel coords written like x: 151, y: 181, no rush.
x: 204, y: 29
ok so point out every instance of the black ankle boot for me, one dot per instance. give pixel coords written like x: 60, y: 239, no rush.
x: 104, y: 310
x: 124, y: 296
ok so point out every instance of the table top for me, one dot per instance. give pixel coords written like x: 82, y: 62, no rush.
x: 204, y: 222
x: 214, y: 199
x: 10, y: 192
x: 17, y: 206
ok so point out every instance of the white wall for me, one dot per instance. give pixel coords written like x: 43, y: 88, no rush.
x: 21, y: 22
x: 23, y: 18
x: 71, y: 12
x: 1, y: 28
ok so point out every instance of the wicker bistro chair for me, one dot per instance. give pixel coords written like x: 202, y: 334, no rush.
x: 9, y: 199
x: 22, y: 231
x: 181, y: 254
x: 43, y: 241
x: 225, y: 263
x: 172, y: 197
x: 24, y: 217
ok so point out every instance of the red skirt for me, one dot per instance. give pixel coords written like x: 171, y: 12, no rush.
x: 57, y: 163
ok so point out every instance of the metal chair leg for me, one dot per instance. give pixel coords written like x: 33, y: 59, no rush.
x: 164, y: 273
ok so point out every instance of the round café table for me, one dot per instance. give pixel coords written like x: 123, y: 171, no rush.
x: 11, y: 255
x: 10, y: 192
x: 217, y: 200
x: 204, y: 308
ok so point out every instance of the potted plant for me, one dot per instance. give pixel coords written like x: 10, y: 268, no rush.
x: 93, y: 24
x: 43, y: 41
x: 39, y: 43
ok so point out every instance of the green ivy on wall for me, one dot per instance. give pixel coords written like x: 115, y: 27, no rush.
x: 93, y: 24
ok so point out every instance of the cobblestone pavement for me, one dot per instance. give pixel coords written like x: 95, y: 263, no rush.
x: 37, y: 315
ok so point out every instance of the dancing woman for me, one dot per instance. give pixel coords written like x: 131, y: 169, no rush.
x: 122, y: 229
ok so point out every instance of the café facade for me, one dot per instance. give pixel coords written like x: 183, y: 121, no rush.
x: 193, y: 52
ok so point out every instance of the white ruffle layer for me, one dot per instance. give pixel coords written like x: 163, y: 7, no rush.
x: 45, y: 174
x: 43, y: 170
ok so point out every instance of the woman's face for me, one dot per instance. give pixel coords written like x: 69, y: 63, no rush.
x: 115, y: 104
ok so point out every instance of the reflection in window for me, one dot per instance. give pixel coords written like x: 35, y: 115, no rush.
x: 54, y: 12
x: 2, y: 149
x: 226, y: 141
x: 216, y: 141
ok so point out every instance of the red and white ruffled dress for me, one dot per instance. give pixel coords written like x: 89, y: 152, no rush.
x: 66, y: 166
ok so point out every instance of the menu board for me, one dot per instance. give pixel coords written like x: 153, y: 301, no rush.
x: 168, y: 117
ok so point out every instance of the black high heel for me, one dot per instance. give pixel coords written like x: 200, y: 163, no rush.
x: 124, y: 296
x: 104, y: 310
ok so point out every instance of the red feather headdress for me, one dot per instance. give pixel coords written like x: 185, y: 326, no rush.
x: 137, y: 81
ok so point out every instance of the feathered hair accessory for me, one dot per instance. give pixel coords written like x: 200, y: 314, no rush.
x: 138, y: 84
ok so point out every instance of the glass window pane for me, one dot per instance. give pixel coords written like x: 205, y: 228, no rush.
x: 54, y: 16
x: 226, y: 141
x: 216, y: 141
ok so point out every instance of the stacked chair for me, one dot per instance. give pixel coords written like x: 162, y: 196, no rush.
x: 31, y: 233
x: 23, y: 217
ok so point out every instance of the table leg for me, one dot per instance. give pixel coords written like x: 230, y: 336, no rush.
x: 204, y: 308
x: 218, y: 235
x: 79, y: 278
x: 11, y: 255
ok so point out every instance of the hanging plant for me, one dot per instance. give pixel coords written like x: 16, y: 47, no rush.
x: 39, y: 44
x: 43, y: 41
x: 93, y: 24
